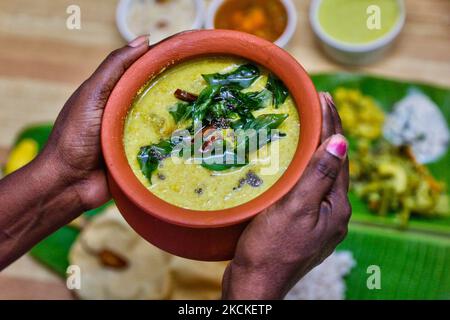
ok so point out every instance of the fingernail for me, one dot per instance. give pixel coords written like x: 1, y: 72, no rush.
x: 323, y: 99
x: 140, y: 41
x: 329, y: 98
x: 338, y: 146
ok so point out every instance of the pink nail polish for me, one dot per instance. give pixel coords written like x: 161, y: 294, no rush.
x: 338, y: 146
x: 139, y: 41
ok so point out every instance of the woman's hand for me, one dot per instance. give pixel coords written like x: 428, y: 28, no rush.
x: 67, y: 177
x: 287, y: 240
x: 74, y: 145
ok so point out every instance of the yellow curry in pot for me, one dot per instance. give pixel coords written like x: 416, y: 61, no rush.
x: 219, y: 100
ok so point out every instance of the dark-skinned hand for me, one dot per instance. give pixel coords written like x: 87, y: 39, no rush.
x: 67, y: 177
x: 290, y: 238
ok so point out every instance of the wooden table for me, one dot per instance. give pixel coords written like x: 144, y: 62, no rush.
x: 42, y: 62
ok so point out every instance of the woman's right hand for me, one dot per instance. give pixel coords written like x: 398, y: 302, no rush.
x: 287, y: 240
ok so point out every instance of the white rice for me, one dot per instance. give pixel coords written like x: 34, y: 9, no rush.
x: 417, y: 121
x: 326, y: 281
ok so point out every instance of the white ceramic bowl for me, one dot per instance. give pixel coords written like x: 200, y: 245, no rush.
x: 281, y: 41
x: 355, y: 54
x: 122, y: 12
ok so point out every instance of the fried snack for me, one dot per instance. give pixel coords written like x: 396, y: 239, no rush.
x: 116, y: 263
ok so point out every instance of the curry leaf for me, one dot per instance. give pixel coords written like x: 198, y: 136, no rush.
x: 249, y: 100
x: 150, y: 156
x: 243, y: 103
x: 270, y: 121
x: 278, y: 89
x: 259, y: 130
x: 242, y: 77
x: 203, y: 103
x: 220, y: 109
x: 181, y: 111
x: 260, y: 98
x: 266, y: 121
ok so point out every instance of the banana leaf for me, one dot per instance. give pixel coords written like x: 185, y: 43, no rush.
x: 414, y: 263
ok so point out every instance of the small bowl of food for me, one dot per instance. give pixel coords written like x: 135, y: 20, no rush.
x: 202, y: 133
x: 273, y: 20
x: 160, y: 18
x: 357, y: 32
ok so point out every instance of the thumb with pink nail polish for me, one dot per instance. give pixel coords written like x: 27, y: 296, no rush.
x: 337, y: 146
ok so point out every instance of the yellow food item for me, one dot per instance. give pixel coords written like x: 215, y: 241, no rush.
x: 21, y: 155
x: 387, y: 177
x: 191, y: 185
x: 361, y: 116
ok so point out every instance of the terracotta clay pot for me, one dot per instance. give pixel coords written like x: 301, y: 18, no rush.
x: 202, y: 235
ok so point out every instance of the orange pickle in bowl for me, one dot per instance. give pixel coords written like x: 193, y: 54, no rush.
x: 264, y: 18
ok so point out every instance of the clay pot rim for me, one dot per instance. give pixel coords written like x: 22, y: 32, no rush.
x: 186, y: 46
